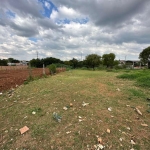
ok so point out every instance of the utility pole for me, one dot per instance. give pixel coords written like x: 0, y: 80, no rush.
x: 81, y: 56
x: 37, y: 54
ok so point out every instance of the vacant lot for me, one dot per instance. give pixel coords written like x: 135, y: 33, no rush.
x: 109, y: 116
x: 12, y: 76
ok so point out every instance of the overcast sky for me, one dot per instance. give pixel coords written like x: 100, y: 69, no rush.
x: 73, y: 28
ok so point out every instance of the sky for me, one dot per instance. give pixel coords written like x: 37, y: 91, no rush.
x: 67, y: 29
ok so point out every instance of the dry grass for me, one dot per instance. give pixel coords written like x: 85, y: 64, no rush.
x: 98, y: 88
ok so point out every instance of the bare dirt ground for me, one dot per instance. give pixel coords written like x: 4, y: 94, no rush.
x: 11, y: 78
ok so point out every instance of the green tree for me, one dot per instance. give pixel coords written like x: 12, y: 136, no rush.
x: 93, y: 60
x: 145, y: 56
x: 108, y: 59
x: 3, y: 62
x: 74, y: 63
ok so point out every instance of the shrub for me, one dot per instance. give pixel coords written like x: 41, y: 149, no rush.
x: 52, y: 69
x: 144, y: 81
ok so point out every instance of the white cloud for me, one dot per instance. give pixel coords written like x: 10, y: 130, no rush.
x: 125, y: 34
x: 66, y: 13
x: 47, y: 5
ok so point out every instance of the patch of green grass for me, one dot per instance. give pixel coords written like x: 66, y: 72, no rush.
x: 137, y: 93
x: 141, y: 77
x: 144, y: 81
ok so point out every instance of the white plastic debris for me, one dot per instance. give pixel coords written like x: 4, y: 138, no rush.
x: 118, y: 89
x: 68, y: 132
x: 109, y: 109
x: 132, y: 142
x: 84, y: 104
x: 80, y: 120
x: 65, y: 108
x: 128, y: 128
x: 1, y: 93
x: 120, y: 139
x: 33, y: 112
x: 80, y: 117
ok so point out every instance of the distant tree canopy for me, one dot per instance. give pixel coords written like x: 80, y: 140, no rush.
x: 12, y: 60
x: 145, y: 56
x: 46, y: 61
x: 93, y: 60
x: 3, y: 62
x: 108, y: 59
x: 74, y: 63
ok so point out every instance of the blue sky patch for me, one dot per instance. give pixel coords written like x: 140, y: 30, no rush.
x: 33, y: 39
x: 10, y: 14
x: 48, y: 11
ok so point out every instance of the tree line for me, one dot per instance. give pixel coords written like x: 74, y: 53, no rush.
x: 91, y: 61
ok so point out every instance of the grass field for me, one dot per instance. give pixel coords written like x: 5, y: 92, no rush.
x: 33, y: 105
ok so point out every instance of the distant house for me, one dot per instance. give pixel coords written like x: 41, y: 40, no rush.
x: 21, y: 63
x: 131, y: 63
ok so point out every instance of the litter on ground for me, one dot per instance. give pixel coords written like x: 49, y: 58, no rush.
x: 57, y: 117
x: 84, y: 104
x: 24, y: 129
x: 138, y: 111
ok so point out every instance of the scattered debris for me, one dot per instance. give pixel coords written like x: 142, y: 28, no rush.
x: 120, y: 139
x: 80, y: 120
x: 144, y: 125
x: 33, y: 112
x: 108, y: 130
x: 132, y: 142
x: 71, y: 105
x: 128, y: 105
x: 80, y: 117
x: 56, y: 117
x: 118, y: 89
x: 68, y: 132
x: 109, y: 109
x: 100, y: 140
x: 98, y: 146
x: 128, y: 128
x: 84, y: 104
x: 1, y: 93
x: 24, y: 129
x: 138, y: 111
x: 65, y: 108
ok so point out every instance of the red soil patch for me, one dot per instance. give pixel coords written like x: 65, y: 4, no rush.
x: 11, y: 78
